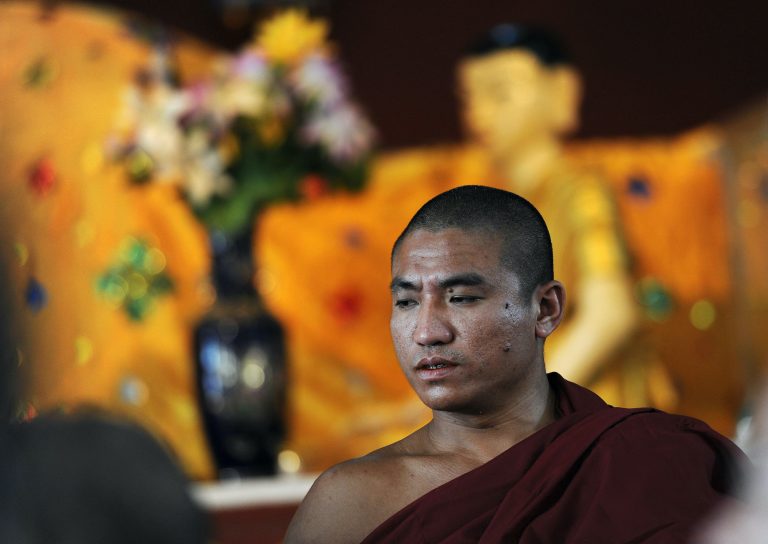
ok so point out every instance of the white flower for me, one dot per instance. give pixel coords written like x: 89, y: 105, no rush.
x: 204, y: 177
x: 342, y: 131
x: 240, y: 86
x: 241, y: 97
x: 156, y: 112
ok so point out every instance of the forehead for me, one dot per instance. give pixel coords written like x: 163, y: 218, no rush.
x: 447, y: 251
x: 517, y: 65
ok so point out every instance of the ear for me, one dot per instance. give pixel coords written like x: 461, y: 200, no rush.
x: 550, y: 300
x: 567, y: 90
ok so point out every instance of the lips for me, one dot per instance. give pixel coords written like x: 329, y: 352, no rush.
x: 432, y: 369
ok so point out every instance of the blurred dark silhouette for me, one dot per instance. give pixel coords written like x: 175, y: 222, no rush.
x: 10, y: 372
x: 87, y: 478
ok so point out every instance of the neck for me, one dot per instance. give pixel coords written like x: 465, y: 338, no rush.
x: 524, y: 169
x: 486, y: 435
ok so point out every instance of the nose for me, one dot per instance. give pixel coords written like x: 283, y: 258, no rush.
x: 474, y: 117
x: 433, y: 327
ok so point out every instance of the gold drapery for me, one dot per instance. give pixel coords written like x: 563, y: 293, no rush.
x: 323, y: 265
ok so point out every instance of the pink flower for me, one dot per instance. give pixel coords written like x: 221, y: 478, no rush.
x: 319, y: 80
x: 342, y: 131
x: 251, y: 66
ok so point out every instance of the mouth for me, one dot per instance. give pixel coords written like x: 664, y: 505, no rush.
x: 433, y: 362
x: 434, y: 368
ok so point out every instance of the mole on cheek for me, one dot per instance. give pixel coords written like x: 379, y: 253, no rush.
x: 507, y: 346
x: 506, y: 306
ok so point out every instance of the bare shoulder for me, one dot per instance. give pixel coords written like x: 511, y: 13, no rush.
x: 351, y: 499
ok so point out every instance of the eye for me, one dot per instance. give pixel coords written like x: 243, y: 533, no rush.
x: 405, y: 303
x: 463, y: 299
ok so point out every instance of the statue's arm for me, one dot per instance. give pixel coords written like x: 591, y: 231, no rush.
x: 605, y: 314
x: 606, y: 318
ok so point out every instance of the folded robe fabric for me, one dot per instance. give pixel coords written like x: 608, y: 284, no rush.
x: 598, y: 474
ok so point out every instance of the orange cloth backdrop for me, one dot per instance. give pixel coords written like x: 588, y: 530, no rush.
x: 67, y: 214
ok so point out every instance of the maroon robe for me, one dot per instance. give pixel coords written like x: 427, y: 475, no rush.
x: 597, y: 474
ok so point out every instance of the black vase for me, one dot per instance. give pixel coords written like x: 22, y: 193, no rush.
x: 241, y: 367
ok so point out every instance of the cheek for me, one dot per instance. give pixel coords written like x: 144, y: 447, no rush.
x: 398, y: 329
x: 487, y: 334
x: 507, y: 333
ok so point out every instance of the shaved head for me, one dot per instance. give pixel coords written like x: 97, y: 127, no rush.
x: 525, y: 242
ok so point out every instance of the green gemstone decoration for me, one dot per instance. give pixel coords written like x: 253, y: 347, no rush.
x: 655, y: 299
x: 135, y: 279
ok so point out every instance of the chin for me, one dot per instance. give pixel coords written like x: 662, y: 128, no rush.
x: 433, y: 401
x: 446, y: 403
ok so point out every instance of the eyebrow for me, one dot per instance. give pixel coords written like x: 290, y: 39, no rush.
x: 467, y: 280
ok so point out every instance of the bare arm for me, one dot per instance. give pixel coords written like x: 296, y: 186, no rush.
x: 344, y: 505
x: 323, y: 514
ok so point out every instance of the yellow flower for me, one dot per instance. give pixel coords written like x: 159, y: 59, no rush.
x: 271, y: 132
x: 290, y: 36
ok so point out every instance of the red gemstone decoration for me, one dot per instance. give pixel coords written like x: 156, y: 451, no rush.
x: 347, y: 306
x: 42, y: 177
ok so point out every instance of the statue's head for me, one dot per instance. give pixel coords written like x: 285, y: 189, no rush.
x: 517, y: 86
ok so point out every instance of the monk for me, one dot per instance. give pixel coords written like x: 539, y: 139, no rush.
x: 512, y: 454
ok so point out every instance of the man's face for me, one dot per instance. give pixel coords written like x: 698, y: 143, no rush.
x: 464, y: 335
x: 507, y: 100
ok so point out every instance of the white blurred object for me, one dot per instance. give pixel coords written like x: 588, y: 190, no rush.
x: 288, y: 489
x: 746, y: 521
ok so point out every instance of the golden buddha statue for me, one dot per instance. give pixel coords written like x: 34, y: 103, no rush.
x: 520, y: 97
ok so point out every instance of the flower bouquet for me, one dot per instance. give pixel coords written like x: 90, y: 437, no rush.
x: 274, y: 122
